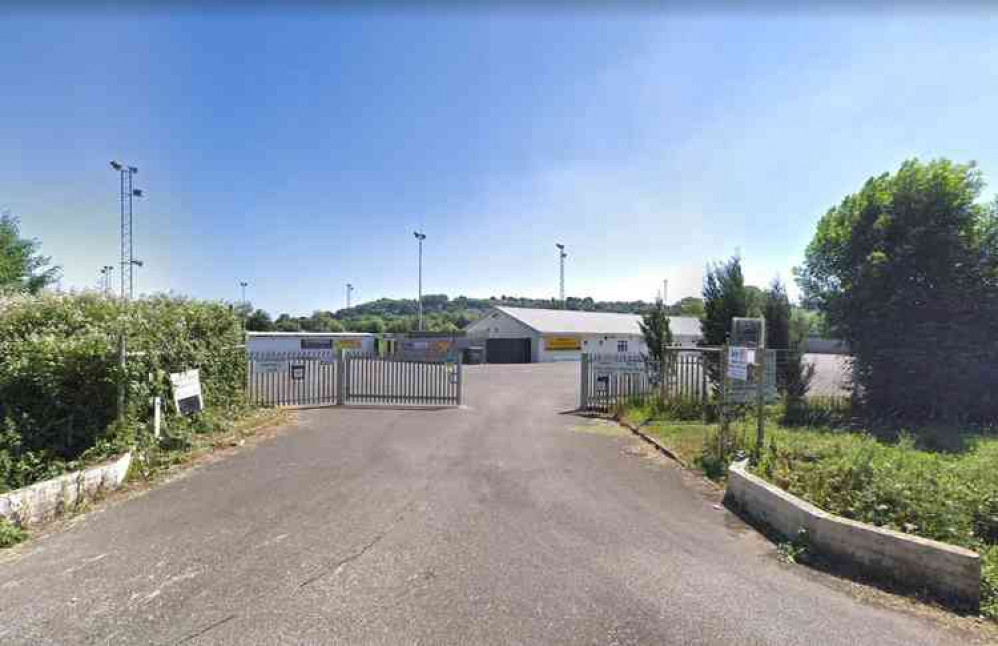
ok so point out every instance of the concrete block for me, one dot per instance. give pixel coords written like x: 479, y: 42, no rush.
x: 951, y: 573
x: 44, y: 500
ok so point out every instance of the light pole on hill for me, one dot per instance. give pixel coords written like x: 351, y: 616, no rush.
x: 126, y: 193
x: 561, y: 282
x: 420, y: 237
x: 243, y: 284
x: 349, y: 292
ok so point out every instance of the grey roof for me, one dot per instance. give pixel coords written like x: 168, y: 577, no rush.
x: 572, y: 322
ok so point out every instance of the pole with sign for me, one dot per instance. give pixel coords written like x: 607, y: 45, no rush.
x: 760, y: 395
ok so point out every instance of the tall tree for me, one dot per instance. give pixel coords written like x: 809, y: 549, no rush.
x: 906, y: 272
x: 724, y: 297
x: 787, y: 336
x: 259, y: 321
x: 655, y: 327
x: 22, y: 268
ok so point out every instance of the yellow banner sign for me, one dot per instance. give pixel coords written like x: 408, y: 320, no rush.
x: 562, y: 343
x: 348, y: 344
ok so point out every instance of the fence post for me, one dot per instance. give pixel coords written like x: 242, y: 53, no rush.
x: 760, y: 394
x: 460, y: 382
x: 341, y: 377
x: 725, y: 388
x: 584, y: 382
x: 123, y: 379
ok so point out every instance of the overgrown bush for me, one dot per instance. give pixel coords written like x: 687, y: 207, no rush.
x: 59, y: 373
x: 943, y: 496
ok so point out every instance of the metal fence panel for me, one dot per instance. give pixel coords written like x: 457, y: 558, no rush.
x: 608, y: 380
x: 292, y: 378
x: 372, y: 379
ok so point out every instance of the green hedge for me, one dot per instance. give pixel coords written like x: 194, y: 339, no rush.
x: 59, y: 373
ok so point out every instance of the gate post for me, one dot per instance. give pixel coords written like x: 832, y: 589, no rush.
x: 341, y: 377
x: 460, y: 382
x: 584, y: 383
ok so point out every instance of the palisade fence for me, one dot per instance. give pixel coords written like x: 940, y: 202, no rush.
x: 611, y: 379
x: 315, y: 378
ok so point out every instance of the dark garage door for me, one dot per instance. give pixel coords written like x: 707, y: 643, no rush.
x: 507, y: 351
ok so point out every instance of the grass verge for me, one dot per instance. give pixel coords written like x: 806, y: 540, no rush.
x: 946, y: 496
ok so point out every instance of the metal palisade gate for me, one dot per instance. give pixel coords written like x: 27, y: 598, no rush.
x: 330, y: 379
x: 293, y: 378
x: 370, y: 379
x: 608, y: 380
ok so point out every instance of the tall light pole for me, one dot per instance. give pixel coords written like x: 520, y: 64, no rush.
x: 105, y: 279
x: 561, y: 259
x: 420, y: 237
x: 126, y: 193
x: 243, y: 285
x: 349, y: 292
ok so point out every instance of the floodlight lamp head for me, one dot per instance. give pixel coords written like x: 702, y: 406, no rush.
x: 115, y: 165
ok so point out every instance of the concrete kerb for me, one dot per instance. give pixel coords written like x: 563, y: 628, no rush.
x: 950, y: 573
x: 651, y: 440
x: 46, y: 499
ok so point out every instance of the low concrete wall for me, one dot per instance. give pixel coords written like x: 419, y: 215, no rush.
x: 43, y: 500
x: 949, y: 572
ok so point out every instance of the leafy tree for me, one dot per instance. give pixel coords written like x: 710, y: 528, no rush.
x: 22, y: 269
x: 724, y: 297
x: 285, y: 323
x: 906, y: 272
x: 321, y: 321
x: 259, y: 321
x: 755, y: 301
x: 690, y: 306
x: 655, y: 327
x: 787, y: 335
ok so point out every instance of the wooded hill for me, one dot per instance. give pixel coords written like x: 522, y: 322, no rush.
x: 441, y: 313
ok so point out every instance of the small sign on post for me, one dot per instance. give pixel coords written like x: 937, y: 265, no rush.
x: 738, y: 362
x: 298, y: 371
x: 187, y: 391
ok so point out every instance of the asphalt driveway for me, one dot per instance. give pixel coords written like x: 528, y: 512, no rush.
x: 506, y: 522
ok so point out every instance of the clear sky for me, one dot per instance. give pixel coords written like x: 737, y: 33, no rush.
x: 298, y: 149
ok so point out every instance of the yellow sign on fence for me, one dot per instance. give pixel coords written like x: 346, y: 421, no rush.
x: 562, y: 343
x: 348, y: 344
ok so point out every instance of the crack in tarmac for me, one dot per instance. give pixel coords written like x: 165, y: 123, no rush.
x: 206, y: 629
x: 338, y: 566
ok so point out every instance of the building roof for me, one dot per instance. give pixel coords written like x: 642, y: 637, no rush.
x: 574, y: 322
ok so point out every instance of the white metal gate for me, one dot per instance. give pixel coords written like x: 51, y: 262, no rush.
x: 318, y: 378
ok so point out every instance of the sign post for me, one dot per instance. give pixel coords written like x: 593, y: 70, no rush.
x: 760, y: 395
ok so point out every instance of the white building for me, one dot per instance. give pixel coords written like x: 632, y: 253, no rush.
x: 309, y: 341
x: 520, y: 335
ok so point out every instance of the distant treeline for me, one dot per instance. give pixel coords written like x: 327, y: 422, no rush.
x: 440, y: 313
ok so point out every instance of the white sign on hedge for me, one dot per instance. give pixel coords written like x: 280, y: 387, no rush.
x: 187, y: 391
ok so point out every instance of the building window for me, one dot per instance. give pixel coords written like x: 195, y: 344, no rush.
x: 316, y: 344
x: 622, y: 347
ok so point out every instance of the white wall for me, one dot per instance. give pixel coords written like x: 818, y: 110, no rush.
x: 499, y: 326
x: 685, y: 341
x: 592, y: 344
x: 292, y: 343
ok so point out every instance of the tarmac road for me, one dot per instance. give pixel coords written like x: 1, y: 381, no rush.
x: 505, y: 522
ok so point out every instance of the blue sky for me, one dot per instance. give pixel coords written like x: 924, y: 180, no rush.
x: 299, y: 149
